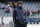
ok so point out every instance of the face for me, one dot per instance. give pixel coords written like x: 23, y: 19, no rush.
x: 20, y: 5
x: 15, y: 3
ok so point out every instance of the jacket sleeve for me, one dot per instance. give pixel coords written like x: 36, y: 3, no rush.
x: 25, y: 14
x: 14, y: 16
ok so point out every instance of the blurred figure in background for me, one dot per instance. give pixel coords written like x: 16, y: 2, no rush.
x: 32, y: 13
x: 2, y: 6
x: 36, y: 14
x: 7, y: 9
x: 10, y: 3
x: 35, y: 11
x: 38, y: 11
x: 28, y: 12
x: 14, y: 4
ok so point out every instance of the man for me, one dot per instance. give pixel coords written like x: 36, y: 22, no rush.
x: 19, y: 16
x: 28, y: 13
x: 14, y: 4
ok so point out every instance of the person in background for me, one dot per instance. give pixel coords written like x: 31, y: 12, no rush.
x: 2, y: 6
x: 32, y: 13
x: 7, y: 9
x: 10, y: 3
x: 28, y: 13
x: 19, y: 16
x: 38, y: 11
x: 14, y: 4
x: 36, y: 14
x: 35, y: 11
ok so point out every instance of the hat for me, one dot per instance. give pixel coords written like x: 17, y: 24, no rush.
x: 20, y: 2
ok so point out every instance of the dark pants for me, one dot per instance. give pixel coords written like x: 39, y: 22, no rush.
x: 21, y: 25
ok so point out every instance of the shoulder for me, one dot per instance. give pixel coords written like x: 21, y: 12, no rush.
x: 24, y: 10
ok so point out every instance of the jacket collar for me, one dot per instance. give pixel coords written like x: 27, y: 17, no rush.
x: 18, y: 7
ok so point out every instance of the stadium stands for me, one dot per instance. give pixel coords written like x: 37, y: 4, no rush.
x: 26, y: 5
x: 32, y: 6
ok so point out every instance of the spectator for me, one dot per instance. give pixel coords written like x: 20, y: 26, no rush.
x: 35, y: 11
x: 14, y: 4
x: 10, y: 3
x: 32, y: 12
x: 28, y: 13
x: 3, y: 6
x: 38, y: 11
x: 8, y: 9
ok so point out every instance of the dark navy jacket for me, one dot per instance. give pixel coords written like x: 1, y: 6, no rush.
x: 17, y: 17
